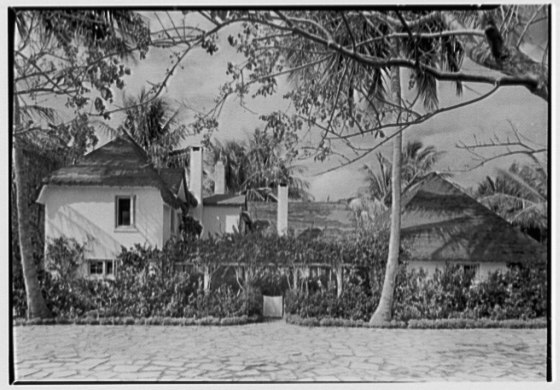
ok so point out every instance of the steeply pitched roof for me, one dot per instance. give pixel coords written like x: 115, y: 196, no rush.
x: 122, y: 163
x: 334, y: 219
x: 441, y: 222
x: 224, y: 200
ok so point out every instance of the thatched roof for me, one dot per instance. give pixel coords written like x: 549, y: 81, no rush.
x: 122, y: 163
x: 440, y: 222
x: 334, y: 219
x: 224, y: 200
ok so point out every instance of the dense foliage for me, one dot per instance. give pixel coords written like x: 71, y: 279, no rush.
x: 156, y: 283
x: 256, y: 166
x: 146, y: 286
x: 152, y: 282
x: 520, y: 196
x: 450, y: 293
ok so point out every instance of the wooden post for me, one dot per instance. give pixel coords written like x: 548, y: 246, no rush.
x: 206, y: 279
x: 282, y: 210
x: 338, y: 271
x: 295, y: 277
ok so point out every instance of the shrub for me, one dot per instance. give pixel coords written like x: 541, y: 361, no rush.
x: 521, y: 292
x: 63, y: 257
x: 449, y: 293
x: 442, y: 296
x: 148, y: 285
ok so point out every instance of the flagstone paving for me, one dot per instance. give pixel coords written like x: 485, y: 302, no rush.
x: 276, y: 351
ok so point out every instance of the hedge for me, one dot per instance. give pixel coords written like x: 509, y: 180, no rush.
x: 149, y: 286
x: 451, y: 323
x: 165, y: 321
x: 149, y: 283
x: 518, y: 293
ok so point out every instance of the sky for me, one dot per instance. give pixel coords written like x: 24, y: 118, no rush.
x: 197, y: 84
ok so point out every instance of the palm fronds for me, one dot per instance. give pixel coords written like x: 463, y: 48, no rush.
x: 256, y: 166
x: 519, y: 195
x: 417, y: 161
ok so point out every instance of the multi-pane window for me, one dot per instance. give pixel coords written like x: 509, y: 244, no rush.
x: 124, y: 211
x: 101, y: 268
x: 96, y: 268
x: 470, y: 268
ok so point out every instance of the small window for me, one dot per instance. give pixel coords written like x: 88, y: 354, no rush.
x: 101, y: 268
x: 109, y: 267
x: 96, y: 268
x: 172, y: 221
x: 470, y: 269
x: 125, y: 210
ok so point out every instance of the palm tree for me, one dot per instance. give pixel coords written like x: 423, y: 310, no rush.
x: 333, y: 84
x: 154, y: 125
x: 379, y: 182
x: 50, y: 31
x: 417, y: 161
x: 233, y: 156
x: 337, y: 61
x: 520, y: 196
x: 257, y: 166
x: 270, y: 165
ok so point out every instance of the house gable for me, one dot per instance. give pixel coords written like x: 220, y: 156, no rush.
x: 442, y: 223
x: 122, y: 163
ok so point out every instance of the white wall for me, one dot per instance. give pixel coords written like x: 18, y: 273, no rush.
x: 166, y: 223
x: 485, y: 268
x: 88, y: 215
x: 219, y: 219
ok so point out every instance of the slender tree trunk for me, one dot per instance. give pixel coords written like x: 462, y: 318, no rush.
x: 36, y: 306
x: 383, y: 312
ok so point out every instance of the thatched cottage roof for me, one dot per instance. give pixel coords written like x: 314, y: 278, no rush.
x: 440, y: 222
x: 334, y: 219
x: 122, y: 163
x: 224, y: 200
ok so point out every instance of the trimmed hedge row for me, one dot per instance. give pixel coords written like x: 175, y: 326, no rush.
x: 166, y: 321
x: 257, y: 249
x: 452, y: 323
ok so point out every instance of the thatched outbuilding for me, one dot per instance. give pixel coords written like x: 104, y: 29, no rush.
x: 442, y: 224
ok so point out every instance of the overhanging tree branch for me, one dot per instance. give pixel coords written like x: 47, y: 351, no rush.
x: 406, y: 125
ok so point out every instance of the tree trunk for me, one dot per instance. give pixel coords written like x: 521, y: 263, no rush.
x: 36, y: 306
x: 383, y: 312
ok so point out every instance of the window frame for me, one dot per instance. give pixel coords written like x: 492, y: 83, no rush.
x: 132, y: 211
x: 96, y: 262
x: 104, y: 266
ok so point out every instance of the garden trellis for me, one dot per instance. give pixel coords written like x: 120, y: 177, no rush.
x: 293, y: 257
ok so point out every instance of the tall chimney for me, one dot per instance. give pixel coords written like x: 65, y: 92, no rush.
x: 282, y: 217
x: 219, y: 178
x: 195, y: 183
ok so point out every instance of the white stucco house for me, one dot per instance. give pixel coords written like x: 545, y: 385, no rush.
x: 113, y: 198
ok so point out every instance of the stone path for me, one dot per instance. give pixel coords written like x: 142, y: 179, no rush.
x: 276, y: 351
